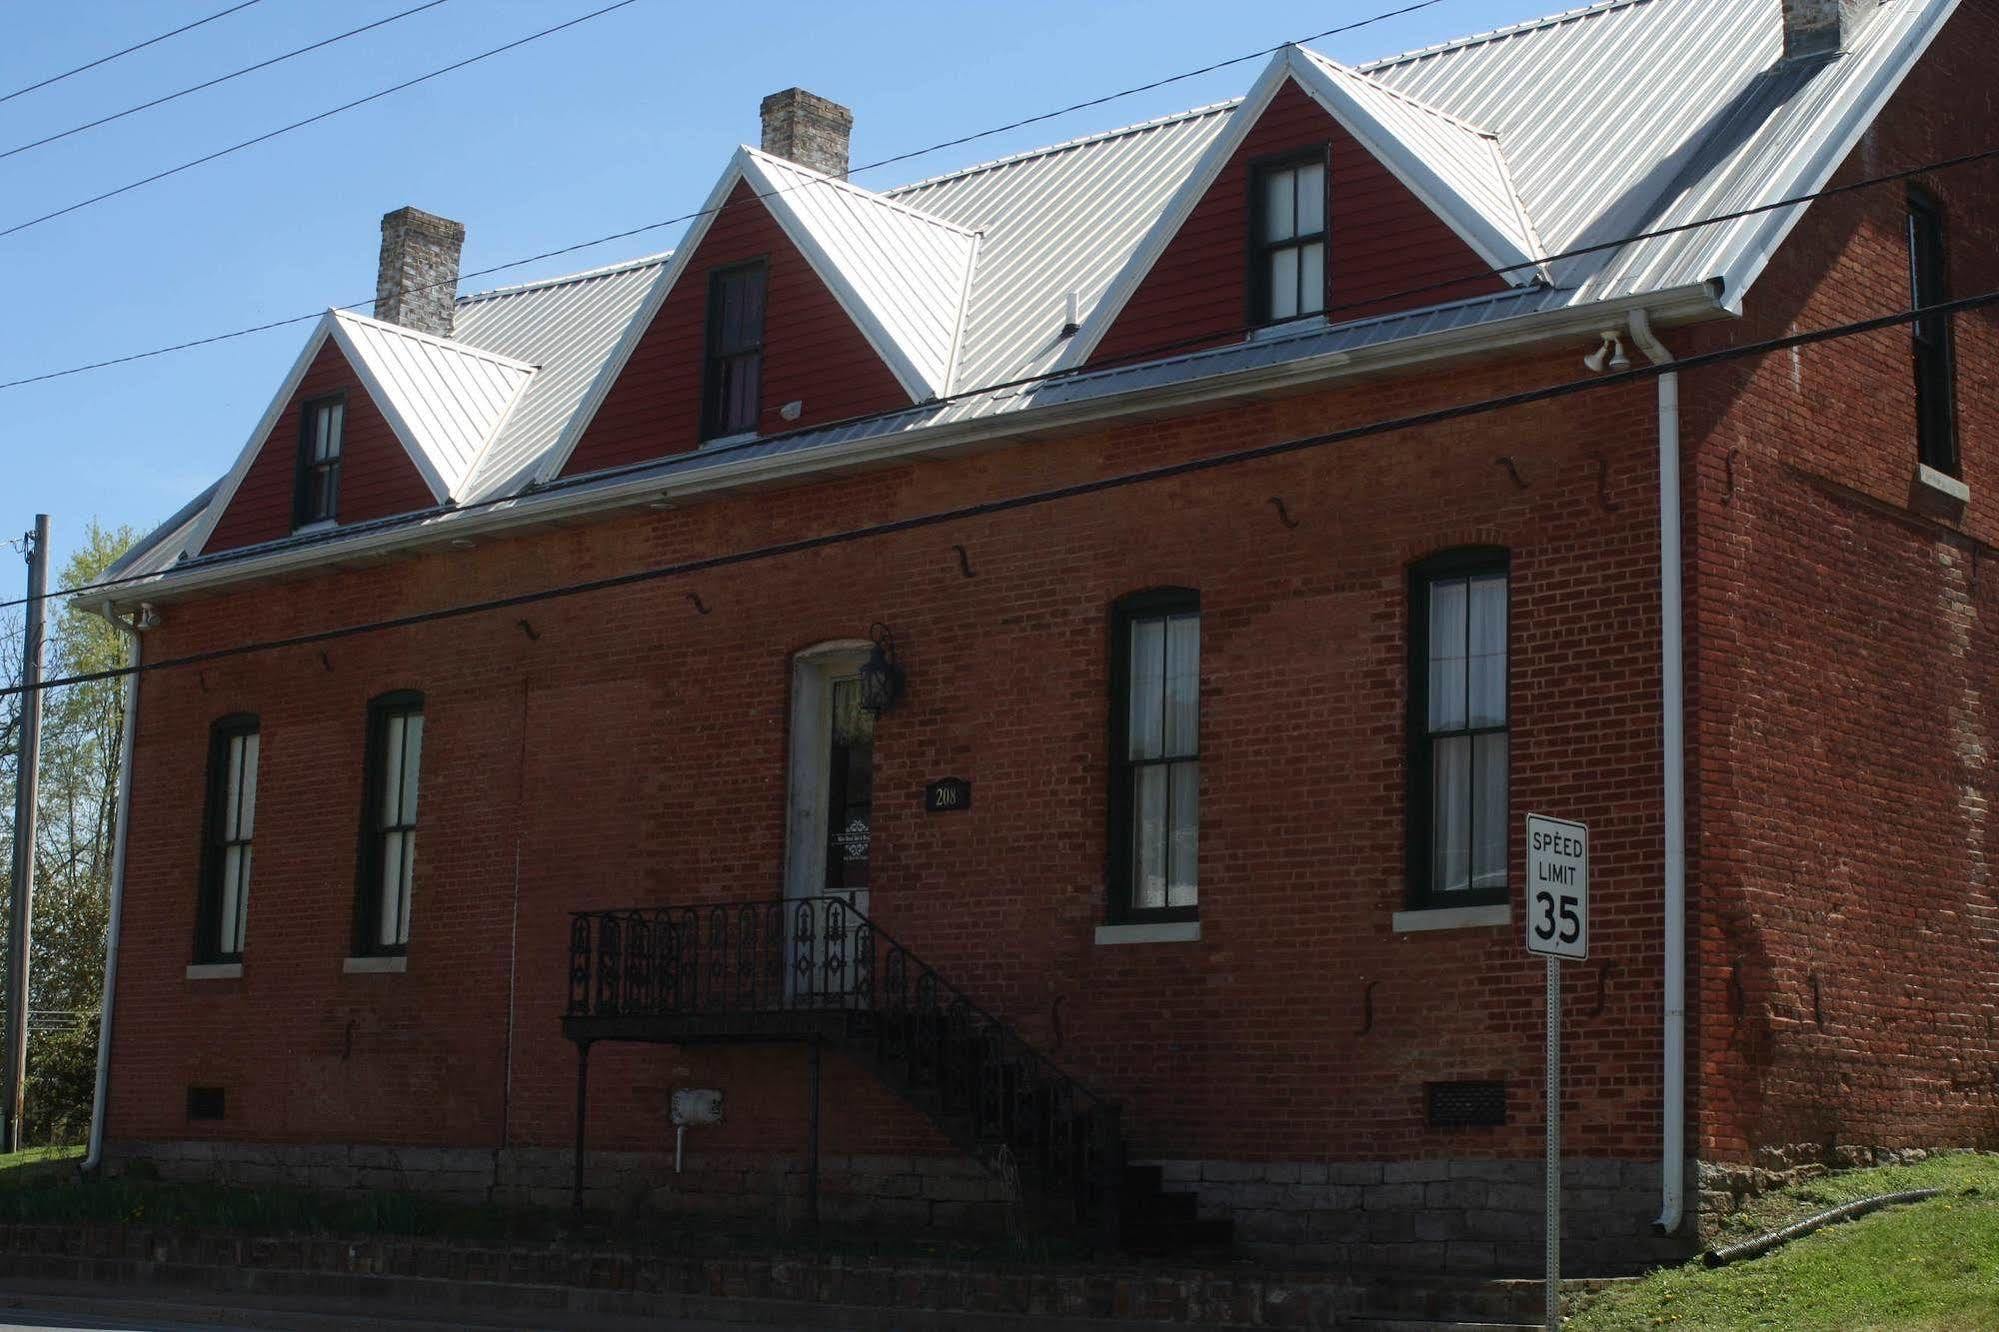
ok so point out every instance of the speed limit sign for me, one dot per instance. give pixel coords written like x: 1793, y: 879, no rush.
x: 1557, y: 888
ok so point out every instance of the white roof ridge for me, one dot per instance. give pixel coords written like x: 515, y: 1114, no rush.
x: 586, y: 275
x: 1511, y: 29
x: 446, y: 344
x: 872, y: 196
x: 1417, y: 103
x: 1067, y: 145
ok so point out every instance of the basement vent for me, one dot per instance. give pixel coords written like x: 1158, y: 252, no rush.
x: 204, y: 1102
x: 1466, y: 1104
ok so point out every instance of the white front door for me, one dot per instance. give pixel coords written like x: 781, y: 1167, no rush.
x: 830, y: 810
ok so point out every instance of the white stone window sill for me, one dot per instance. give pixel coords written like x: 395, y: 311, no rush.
x: 369, y: 966
x: 1165, y: 931
x: 215, y: 971
x: 1942, y: 484
x: 1288, y: 328
x: 323, y: 525
x: 724, y: 441
x: 1453, y: 918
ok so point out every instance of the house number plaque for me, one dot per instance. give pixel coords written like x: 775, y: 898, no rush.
x: 947, y: 795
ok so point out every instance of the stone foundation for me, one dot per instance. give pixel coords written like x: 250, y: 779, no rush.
x: 900, y: 1192
x: 1726, y: 1187
x: 1472, y: 1218
x: 1456, y: 1217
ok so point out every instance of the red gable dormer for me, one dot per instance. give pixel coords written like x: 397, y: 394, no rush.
x: 814, y: 352
x: 377, y: 477
x: 1194, y: 285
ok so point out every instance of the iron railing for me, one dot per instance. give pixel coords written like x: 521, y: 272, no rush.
x: 974, y: 1075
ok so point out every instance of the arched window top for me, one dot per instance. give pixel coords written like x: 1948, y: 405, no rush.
x: 397, y: 698
x: 234, y: 723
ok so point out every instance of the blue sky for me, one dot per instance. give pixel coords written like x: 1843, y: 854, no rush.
x: 621, y: 121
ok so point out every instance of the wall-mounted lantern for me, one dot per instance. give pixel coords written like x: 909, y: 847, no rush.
x: 881, y: 676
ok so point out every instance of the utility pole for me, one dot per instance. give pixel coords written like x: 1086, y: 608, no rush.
x: 27, y: 773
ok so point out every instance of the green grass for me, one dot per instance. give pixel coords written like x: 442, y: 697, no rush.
x: 1923, y: 1267
x: 34, y: 1164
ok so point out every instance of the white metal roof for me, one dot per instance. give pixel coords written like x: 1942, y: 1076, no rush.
x: 567, y: 326
x: 1458, y: 168
x: 1543, y: 137
x: 1057, y: 220
x: 444, y: 399
x: 901, y: 273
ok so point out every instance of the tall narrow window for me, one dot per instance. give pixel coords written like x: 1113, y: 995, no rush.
x: 389, y: 824
x: 1458, y: 730
x: 231, y: 826
x: 1288, y: 239
x: 1155, y: 797
x: 1936, y: 372
x: 316, y: 498
x: 734, y: 380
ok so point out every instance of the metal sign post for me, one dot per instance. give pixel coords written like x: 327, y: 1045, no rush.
x: 1557, y: 928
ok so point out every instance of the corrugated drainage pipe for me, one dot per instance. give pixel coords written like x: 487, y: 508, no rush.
x: 95, y: 1156
x: 1762, y: 1244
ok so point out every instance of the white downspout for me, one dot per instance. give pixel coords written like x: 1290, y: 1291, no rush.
x: 95, y: 1156
x: 1673, y: 765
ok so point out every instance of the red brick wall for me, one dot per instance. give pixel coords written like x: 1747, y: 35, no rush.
x: 1844, y: 642
x: 377, y: 478
x: 634, y: 752
x: 813, y: 351
x: 1384, y: 241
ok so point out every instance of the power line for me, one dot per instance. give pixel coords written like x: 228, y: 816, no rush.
x: 187, y: 27
x: 223, y: 78
x: 1205, y: 339
x: 310, y: 120
x: 629, y: 232
x: 988, y: 508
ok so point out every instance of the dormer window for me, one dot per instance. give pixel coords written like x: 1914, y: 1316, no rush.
x: 1288, y: 238
x: 733, y: 383
x: 316, y: 498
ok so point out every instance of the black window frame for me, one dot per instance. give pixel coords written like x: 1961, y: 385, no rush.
x: 1932, y: 341
x: 1151, y: 603
x: 208, y: 900
x: 368, y: 876
x: 1257, y: 289
x: 1462, y: 562
x: 303, y: 489
x: 714, y: 355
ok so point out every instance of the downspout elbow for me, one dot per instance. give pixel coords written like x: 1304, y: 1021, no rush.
x: 1672, y: 681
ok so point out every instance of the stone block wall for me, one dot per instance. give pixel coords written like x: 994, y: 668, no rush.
x: 1461, y: 1217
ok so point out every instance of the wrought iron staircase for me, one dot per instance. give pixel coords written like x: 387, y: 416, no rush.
x: 819, y: 972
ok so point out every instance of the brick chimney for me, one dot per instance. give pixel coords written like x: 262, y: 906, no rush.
x: 416, y: 284
x: 805, y: 128
x: 1823, y: 27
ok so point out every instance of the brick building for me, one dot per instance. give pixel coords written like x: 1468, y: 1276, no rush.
x: 880, y: 564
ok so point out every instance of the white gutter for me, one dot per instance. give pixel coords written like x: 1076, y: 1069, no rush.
x: 1695, y: 301
x: 1673, y: 783
x: 133, y: 652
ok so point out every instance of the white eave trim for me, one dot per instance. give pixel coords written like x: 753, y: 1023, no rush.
x: 1421, y: 179
x: 771, y: 193
x: 259, y: 435
x: 385, y: 403
x: 1680, y: 305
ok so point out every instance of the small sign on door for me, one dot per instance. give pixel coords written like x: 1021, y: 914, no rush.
x: 1557, y: 888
